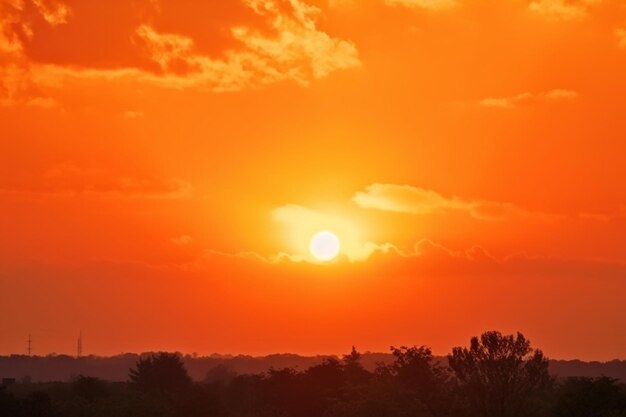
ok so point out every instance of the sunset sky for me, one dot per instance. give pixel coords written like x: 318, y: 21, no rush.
x: 164, y: 165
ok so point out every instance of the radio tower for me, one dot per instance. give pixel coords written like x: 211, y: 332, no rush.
x: 30, y: 345
x: 79, y: 347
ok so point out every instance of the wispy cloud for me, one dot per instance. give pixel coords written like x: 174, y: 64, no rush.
x: 133, y: 114
x: 301, y: 223
x: 527, y: 98
x: 430, y: 258
x: 562, y: 9
x: 72, y: 180
x: 420, y: 201
x: 435, y: 5
x: 294, y: 49
x: 299, y: 52
x: 182, y: 240
x: 54, y: 12
x: 18, y: 86
x: 621, y: 37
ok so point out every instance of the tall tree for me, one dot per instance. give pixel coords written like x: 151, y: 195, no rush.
x: 499, y: 374
x: 416, y: 370
x: 352, y: 368
x: 162, y: 373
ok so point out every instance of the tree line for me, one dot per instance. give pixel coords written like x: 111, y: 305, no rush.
x: 495, y: 376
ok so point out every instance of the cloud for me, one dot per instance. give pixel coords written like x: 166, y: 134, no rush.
x: 524, y: 98
x: 435, y: 5
x: 562, y: 9
x: 289, y: 48
x: 133, y: 114
x: 183, y: 240
x: 505, y: 102
x: 431, y: 257
x: 301, y: 223
x: 612, y: 214
x: 18, y: 88
x: 299, y: 52
x: 17, y: 84
x: 599, y: 217
x: 424, y: 248
x: 420, y: 201
x: 53, y: 12
x: 72, y: 180
x: 621, y: 37
x: 426, y: 258
x: 10, y: 25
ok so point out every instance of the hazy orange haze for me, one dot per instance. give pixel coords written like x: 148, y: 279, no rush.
x: 163, y: 165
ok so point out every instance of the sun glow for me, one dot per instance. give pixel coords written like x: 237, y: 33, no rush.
x: 308, y: 232
x: 325, y: 246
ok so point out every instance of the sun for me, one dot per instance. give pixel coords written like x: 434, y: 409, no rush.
x: 325, y: 246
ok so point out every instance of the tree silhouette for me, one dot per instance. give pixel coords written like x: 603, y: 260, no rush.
x: 495, y: 376
x: 591, y: 397
x: 352, y: 368
x: 416, y: 370
x: 499, y: 374
x: 162, y: 373
x: 220, y: 373
x: 9, y: 405
x: 89, y: 388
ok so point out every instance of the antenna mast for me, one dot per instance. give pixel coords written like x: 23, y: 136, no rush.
x: 79, y: 348
x: 30, y: 345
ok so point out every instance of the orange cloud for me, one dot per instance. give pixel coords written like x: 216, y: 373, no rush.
x: 434, y: 258
x: 54, y: 12
x: 183, y: 240
x: 436, y: 5
x: 133, y: 114
x: 9, y: 41
x: 302, y: 223
x: 621, y: 37
x: 562, y: 9
x: 420, y: 201
x: 295, y: 50
x: 299, y: 52
x: 71, y: 180
x: 17, y: 86
x: 514, y: 101
x: 425, y: 258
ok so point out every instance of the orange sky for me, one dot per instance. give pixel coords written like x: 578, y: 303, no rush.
x: 163, y: 165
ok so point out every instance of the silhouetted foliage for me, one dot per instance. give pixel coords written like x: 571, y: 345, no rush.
x: 591, y: 397
x: 415, y: 371
x: 38, y: 404
x: 379, y: 397
x: 353, y: 370
x: 90, y: 388
x: 498, y: 375
x: 163, y: 373
x: 9, y: 405
x: 220, y: 373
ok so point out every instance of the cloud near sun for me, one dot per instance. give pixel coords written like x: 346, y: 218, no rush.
x: 300, y: 223
x: 420, y: 201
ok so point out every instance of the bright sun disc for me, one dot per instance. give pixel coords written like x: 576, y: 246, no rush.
x: 324, y: 246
